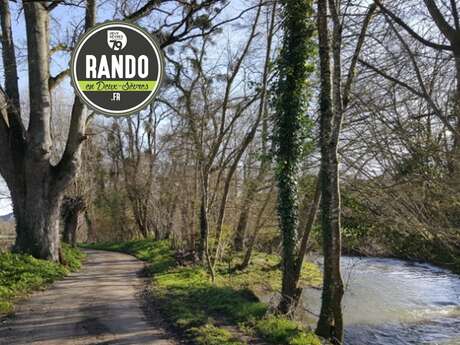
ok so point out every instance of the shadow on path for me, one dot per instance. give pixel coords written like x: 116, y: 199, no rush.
x: 98, y: 305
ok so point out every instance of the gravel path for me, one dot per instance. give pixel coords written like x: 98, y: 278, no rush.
x: 100, y: 305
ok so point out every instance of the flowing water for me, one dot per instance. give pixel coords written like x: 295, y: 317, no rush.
x: 396, y: 302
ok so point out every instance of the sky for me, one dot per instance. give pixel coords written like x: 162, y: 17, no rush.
x: 5, y: 205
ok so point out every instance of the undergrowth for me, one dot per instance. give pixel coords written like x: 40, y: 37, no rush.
x: 20, y: 274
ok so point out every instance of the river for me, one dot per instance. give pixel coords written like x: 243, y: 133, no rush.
x: 396, y: 302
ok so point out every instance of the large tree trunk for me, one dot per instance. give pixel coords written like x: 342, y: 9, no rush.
x: 36, y: 185
x: 37, y: 214
x: 307, y: 218
x: 37, y: 201
x: 330, y: 324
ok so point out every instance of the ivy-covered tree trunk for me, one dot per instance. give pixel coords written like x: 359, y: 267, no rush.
x: 291, y: 101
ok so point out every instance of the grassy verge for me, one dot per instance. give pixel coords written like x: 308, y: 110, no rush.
x: 197, y: 307
x: 20, y: 274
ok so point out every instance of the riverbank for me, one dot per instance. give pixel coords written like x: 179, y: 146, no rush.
x: 368, y: 242
x: 224, y: 313
x: 21, y: 274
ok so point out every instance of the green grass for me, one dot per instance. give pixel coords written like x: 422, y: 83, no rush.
x: 20, y: 274
x: 263, y: 273
x: 211, y: 335
x: 279, y: 330
x: 192, y: 303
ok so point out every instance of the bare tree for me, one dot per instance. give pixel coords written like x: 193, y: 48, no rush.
x: 333, y: 101
x: 448, y: 27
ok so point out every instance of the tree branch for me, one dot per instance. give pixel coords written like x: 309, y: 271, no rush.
x: 67, y: 166
x: 3, y: 109
x: 39, y: 136
x: 409, y: 30
x: 184, y: 35
x: 11, y: 92
x: 59, y: 48
x: 55, y: 3
x: 418, y: 74
x: 439, y: 20
x: 354, y: 59
x: 406, y: 86
x: 143, y: 11
x: 54, y: 81
x: 5, y: 151
x: 453, y: 5
x: 390, y: 78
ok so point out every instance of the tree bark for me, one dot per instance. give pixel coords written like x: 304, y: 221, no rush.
x: 455, y: 154
x: 72, y: 208
x: 240, y: 232
x: 257, y: 226
x: 38, y: 201
x: 306, y: 220
x: 203, y: 250
x: 330, y: 324
x: 91, y: 231
x: 37, y: 215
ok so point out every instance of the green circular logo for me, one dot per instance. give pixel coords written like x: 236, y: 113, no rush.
x: 117, y: 68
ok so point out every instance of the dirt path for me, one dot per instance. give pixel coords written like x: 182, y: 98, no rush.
x: 98, y: 305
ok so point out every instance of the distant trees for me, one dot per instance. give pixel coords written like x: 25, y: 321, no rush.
x: 252, y: 183
x: 401, y: 136
x: 156, y: 167
x: 446, y: 20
